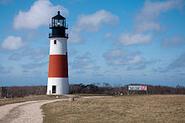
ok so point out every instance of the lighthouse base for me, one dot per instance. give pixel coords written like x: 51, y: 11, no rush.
x: 57, y: 86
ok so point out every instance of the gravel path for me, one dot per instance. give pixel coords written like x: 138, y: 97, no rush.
x: 26, y: 112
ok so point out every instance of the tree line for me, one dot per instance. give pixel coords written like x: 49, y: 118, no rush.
x: 105, y: 89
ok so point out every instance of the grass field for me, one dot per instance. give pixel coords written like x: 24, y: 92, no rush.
x: 125, y: 109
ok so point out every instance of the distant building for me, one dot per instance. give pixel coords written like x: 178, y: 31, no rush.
x: 137, y: 89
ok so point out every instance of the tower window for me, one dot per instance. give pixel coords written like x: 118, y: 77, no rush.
x: 55, y: 41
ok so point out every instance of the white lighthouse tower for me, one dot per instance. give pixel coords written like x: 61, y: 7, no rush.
x: 58, y: 63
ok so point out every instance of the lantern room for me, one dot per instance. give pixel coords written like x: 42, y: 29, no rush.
x: 58, y: 26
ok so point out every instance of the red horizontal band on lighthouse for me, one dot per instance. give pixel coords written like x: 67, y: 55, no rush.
x: 58, y: 66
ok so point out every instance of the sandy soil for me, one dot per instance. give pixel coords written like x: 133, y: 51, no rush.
x: 26, y: 112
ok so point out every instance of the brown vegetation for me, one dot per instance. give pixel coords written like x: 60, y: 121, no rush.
x: 127, y: 109
x: 21, y: 91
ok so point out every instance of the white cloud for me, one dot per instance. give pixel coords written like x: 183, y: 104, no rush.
x: 75, y: 37
x: 131, y: 39
x: 148, y: 26
x: 120, y: 57
x: 39, y: 14
x: 29, y: 53
x: 84, y: 63
x: 12, y: 43
x: 114, y: 54
x: 146, y: 20
x: 108, y: 35
x: 135, y: 59
x: 127, y: 60
x: 152, y: 10
x: 92, y: 23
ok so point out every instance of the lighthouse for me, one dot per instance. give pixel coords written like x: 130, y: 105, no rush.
x: 58, y: 63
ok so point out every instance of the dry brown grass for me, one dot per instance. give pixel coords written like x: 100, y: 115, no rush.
x: 23, y: 99
x: 125, y: 109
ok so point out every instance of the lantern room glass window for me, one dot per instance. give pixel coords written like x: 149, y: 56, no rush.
x: 60, y: 23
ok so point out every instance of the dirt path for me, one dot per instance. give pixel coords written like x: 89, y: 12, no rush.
x: 26, y: 112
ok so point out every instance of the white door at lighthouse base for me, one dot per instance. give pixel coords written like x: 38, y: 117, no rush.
x: 57, y: 86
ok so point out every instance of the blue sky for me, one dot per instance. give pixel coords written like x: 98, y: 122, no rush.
x: 115, y: 41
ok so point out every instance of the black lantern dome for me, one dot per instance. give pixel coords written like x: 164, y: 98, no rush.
x: 58, y: 26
